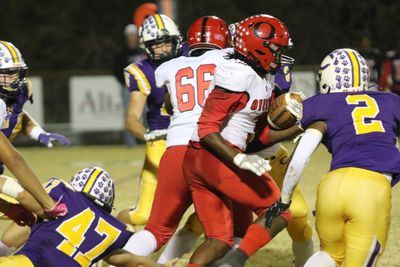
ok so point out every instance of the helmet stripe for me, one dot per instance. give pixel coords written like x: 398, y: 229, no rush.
x: 203, y: 29
x: 12, y: 51
x: 160, y: 23
x: 356, y: 68
x: 92, y: 178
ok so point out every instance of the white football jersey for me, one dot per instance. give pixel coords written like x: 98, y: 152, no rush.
x: 188, y: 80
x: 236, y: 76
x: 3, y: 111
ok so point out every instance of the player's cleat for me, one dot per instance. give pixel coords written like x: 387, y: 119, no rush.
x: 235, y: 259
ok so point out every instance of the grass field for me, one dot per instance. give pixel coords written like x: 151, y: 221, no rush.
x: 124, y: 165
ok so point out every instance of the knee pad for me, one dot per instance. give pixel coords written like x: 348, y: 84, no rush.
x: 193, y: 225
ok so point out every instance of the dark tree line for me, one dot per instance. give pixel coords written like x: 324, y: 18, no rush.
x: 84, y: 34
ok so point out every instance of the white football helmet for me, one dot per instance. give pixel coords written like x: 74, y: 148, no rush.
x: 97, y: 184
x: 12, y: 71
x: 159, y: 28
x: 343, y: 70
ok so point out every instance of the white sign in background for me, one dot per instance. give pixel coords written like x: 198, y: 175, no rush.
x: 304, y: 81
x: 95, y: 104
x: 36, y: 109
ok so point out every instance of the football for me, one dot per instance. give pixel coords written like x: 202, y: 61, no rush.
x: 279, y: 117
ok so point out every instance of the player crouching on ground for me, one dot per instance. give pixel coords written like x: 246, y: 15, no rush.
x: 85, y: 235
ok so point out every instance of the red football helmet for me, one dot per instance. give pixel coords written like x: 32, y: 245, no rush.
x: 208, y: 32
x: 260, y: 39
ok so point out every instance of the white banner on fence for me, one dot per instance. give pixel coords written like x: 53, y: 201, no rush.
x: 36, y: 109
x: 95, y: 103
x: 304, y: 81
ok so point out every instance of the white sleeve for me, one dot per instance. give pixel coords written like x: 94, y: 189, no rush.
x: 161, y: 75
x: 3, y: 111
x: 307, y: 145
x: 233, y: 76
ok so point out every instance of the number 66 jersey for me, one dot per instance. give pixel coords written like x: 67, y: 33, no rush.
x: 188, y: 80
x: 360, y: 128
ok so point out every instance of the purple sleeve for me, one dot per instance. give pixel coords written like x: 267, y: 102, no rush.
x: 283, y: 81
x: 310, y: 112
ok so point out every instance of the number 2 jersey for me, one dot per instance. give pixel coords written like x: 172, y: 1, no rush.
x: 82, y: 237
x: 360, y: 128
x: 187, y: 80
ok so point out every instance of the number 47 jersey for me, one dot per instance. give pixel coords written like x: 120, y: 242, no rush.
x: 360, y: 128
x: 188, y: 81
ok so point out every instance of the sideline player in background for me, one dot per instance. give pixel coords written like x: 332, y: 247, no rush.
x: 215, y: 168
x: 13, y: 83
x: 162, y: 41
x: 354, y: 198
x: 87, y: 234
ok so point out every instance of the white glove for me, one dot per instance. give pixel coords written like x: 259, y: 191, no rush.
x: 253, y: 163
x: 295, y: 107
x: 155, y: 135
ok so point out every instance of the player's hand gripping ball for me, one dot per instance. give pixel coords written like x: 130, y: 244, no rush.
x: 285, y: 111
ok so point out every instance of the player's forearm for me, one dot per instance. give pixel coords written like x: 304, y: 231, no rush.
x: 17, y: 165
x: 306, y: 147
x: 135, y: 126
x: 282, y: 135
x: 28, y: 123
x: 218, y: 146
x: 122, y: 258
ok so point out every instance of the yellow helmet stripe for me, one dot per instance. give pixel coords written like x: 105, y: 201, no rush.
x: 12, y: 51
x: 91, y: 180
x: 141, y: 80
x: 160, y: 23
x: 356, y: 68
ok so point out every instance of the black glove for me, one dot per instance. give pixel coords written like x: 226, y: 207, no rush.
x: 274, y: 211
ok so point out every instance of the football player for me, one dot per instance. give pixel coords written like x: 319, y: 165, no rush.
x: 13, y: 87
x: 88, y: 233
x: 186, y: 80
x: 354, y: 198
x: 161, y: 41
x: 215, y: 167
x: 16, y: 90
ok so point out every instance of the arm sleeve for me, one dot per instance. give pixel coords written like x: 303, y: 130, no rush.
x: 136, y: 80
x: 306, y: 147
x: 233, y: 76
x: 218, y: 106
x: 310, y: 112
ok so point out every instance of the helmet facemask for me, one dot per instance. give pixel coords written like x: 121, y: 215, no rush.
x: 12, y: 83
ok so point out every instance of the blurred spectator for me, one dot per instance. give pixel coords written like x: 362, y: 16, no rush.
x: 143, y: 11
x: 373, y: 56
x: 390, y: 77
x: 129, y: 53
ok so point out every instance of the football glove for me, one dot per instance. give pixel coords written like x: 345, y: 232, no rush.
x: 295, y: 107
x: 59, y: 210
x: 274, y: 211
x: 155, y: 135
x: 253, y: 163
x: 21, y: 216
x: 47, y: 139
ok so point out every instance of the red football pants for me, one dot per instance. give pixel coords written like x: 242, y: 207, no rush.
x: 214, y: 184
x: 172, y: 197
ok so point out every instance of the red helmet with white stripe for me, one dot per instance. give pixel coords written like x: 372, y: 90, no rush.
x: 260, y: 39
x: 208, y: 32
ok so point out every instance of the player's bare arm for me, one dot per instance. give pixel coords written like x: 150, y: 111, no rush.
x: 122, y: 258
x: 134, y: 113
x: 17, y: 165
x: 168, y: 104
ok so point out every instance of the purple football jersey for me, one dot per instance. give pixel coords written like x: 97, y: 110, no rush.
x: 82, y: 237
x: 141, y: 79
x: 360, y: 128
